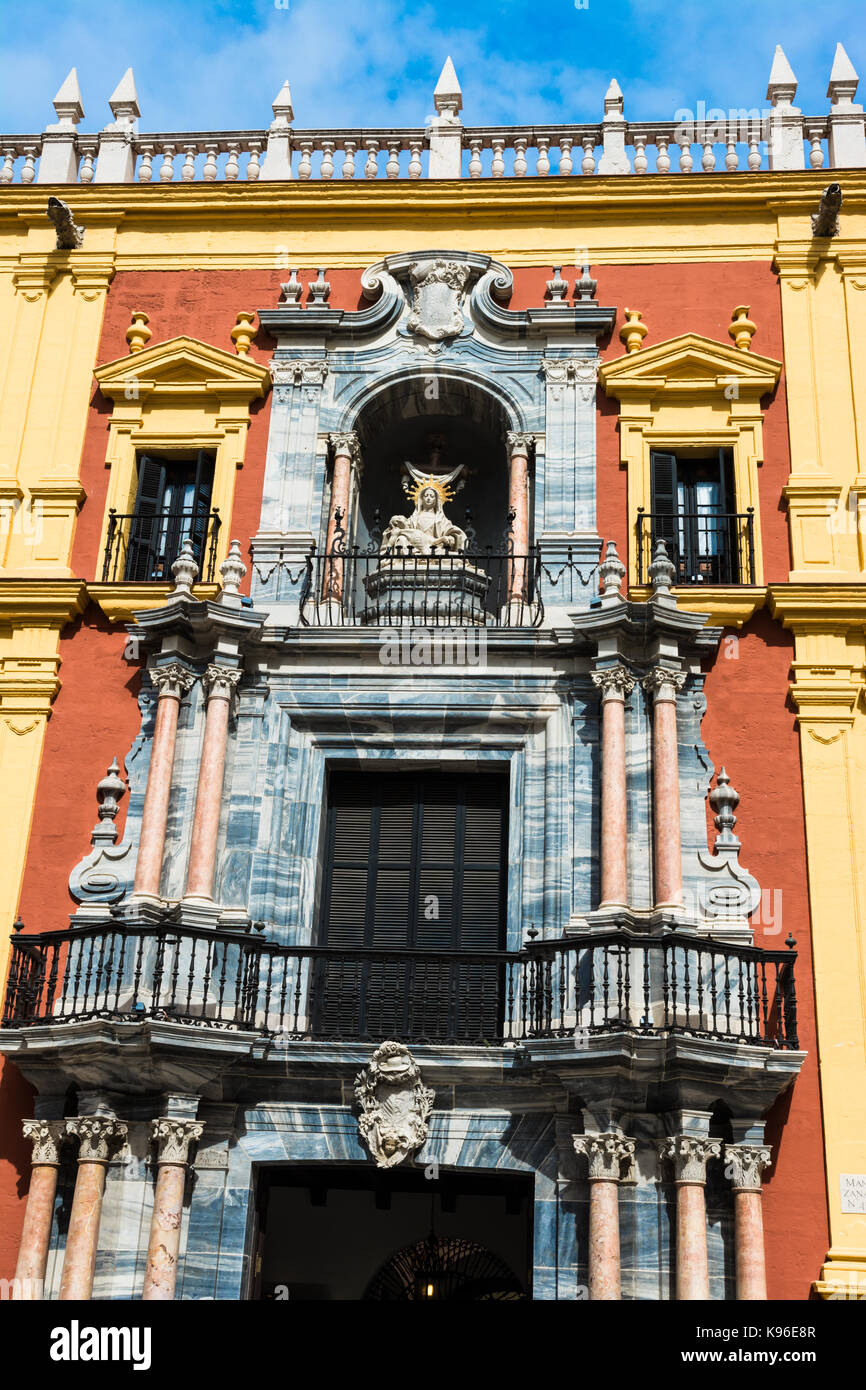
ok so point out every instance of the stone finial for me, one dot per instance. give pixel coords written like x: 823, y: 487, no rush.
x: 724, y: 801
x: 243, y: 332
x: 585, y: 287
x: 782, y: 86
x: 109, y: 791
x: 557, y: 288
x: 611, y: 572
x: 447, y: 96
x: 633, y: 331
x: 185, y: 569
x: 613, y: 100
x: 843, y: 82
x: 319, y: 289
x: 232, y: 570
x: 138, y: 334
x: 124, y: 100
x: 661, y: 572
x: 741, y: 328
x: 282, y: 107
x: 292, y: 289
x: 67, y: 103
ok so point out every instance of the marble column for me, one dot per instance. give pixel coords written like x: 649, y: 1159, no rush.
x: 173, y: 1138
x: 346, y: 458
x: 606, y: 1154
x: 97, y: 1136
x: 667, y: 847
x: 745, y: 1164
x: 615, y: 683
x: 519, y: 447
x: 171, y: 683
x: 690, y: 1156
x: 219, y: 682
x: 46, y: 1137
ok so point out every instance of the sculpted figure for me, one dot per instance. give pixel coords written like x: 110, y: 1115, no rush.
x: 427, y: 531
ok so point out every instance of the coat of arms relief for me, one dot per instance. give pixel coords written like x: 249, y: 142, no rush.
x: 394, y: 1104
x: 438, y: 292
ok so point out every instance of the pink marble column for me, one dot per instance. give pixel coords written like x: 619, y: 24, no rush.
x: 745, y: 1163
x: 606, y: 1154
x: 171, y: 683
x: 97, y: 1136
x: 218, y: 682
x: 667, y: 846
x: 519, y: 446
x: 615, y: 682
x: 46, y: 1137
x: 690, y: 1156
x: 346, y: 457
x: 173, y: 1138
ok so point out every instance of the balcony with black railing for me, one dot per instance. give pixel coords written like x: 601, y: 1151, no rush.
x: 354, y: 587
x: 611, y: 982
x: 142, y: 548
x: 705, y: 547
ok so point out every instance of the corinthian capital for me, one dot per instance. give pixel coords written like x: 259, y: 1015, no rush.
x: 615, y: 682
x: 346, y: 444
x: 172, y: 681
x: 97, y: 1136
x: 299, y: 371
x: 745, y: 1164
x: 174, y: 1137
x: 664, y: 683
x: 46, y: 1136
x: 606, y: 1154
x: 689, y: 1156
x: 519, y: 442
x: 220, y: 681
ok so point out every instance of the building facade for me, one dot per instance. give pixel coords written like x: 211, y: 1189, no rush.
x: 463, y: 668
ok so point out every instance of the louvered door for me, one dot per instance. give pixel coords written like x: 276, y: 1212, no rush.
x: 413, y: 873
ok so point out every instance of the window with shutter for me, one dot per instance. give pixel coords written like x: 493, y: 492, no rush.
x: 693, y: 512
x: 172, y: 505
x: 413, y: 862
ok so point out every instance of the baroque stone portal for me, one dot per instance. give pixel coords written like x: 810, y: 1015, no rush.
x: 394, y: 1103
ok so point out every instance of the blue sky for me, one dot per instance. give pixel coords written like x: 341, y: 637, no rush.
x: 217, y: 64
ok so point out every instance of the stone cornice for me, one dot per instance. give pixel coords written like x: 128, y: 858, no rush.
x: 119, y: 602
x: 688, y: 364
x: 818, y: 607
x: 724, y: 605
x: 183, y: 366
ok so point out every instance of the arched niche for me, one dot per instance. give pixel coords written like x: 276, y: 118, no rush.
x: 436, y: 421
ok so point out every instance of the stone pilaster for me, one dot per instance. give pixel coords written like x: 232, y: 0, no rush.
x: 615, y: 683
x: 47, y: 1137
x: 745, y: 1164
x: 219, y: 682
x: 689, y: 1155
x: 97, y: 1137
x: 663, y: 683
x: 172, y: 682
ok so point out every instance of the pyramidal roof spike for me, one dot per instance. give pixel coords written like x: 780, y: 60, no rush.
x: 67, y: 103
x: 843, y: 78
x: 613, y: 99
x: 447, y: 96
x: 282, y: 105
x: 782, y: 85
x: 124, y: 99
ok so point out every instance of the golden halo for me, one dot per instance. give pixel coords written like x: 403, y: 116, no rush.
x: 415, y: 489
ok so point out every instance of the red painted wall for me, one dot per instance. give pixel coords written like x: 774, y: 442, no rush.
x: 749, y: 728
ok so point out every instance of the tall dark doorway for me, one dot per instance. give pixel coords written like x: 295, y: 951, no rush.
x: 352, y: 1233
x: 412, y: 906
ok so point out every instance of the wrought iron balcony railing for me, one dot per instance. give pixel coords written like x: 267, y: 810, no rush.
x: 704, y: 547
x: 145, y: 547
x: 352, y: 587
x: 571, y: 987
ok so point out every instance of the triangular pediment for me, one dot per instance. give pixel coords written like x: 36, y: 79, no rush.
x: 689, y: 362
x: 184, y: 363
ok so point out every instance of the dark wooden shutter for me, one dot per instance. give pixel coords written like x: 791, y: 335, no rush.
x: 665, y: 503
x: 413, y: 862
x: 142, y: 556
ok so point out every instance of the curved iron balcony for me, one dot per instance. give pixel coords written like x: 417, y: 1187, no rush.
x: 612, y: 982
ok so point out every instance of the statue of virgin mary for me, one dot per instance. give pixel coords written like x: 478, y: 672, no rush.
x: 427, y: 531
